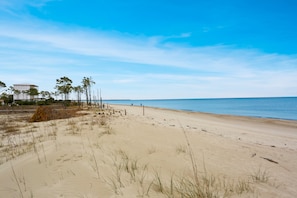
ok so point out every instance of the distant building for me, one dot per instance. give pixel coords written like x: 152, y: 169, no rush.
x: 21, y: 91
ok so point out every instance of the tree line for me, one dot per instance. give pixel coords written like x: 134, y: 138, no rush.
x: 63, y: 87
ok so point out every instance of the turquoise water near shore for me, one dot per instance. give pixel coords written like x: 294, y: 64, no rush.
x: 277, y: 107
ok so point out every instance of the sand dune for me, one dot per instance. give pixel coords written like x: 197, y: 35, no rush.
x: 130, y: 151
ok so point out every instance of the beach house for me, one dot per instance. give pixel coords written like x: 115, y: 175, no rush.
x: 22, y: 92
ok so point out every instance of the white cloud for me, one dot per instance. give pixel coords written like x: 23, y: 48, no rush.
x: 141, y: 50
x: 213, y: 71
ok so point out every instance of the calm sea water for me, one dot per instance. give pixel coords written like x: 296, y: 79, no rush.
x: 279, y: 107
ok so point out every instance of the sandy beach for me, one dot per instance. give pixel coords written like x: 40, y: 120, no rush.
x: 134, y: 151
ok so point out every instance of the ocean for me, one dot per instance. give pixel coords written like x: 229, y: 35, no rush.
x: 274, y: 107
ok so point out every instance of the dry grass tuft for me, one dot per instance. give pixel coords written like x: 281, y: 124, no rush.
x: 46, y: 113
x: 261, y: 176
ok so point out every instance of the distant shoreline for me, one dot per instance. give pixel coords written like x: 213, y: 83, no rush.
x: 235, y: 117
x: 264, y: 97
x: 283, y: 108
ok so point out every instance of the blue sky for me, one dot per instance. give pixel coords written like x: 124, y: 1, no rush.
x: 145, y: 49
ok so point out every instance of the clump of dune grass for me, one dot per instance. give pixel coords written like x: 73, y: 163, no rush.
x: 127, y: 170
x: 128, y: 164
x: 73, y: 127
x: 209, y: 186
x: 261, y: 176
x: 105, y: 125
x: 200, y: 185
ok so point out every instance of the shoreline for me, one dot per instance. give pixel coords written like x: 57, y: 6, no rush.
x: 213, y: 114
x: 261, y: 128
x: 223, y: 106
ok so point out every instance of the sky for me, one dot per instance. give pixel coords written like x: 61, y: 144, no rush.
x: 153, y: 49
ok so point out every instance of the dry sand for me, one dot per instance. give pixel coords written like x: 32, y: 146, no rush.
x: 136, y: 153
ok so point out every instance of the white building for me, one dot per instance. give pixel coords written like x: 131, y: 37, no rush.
x: 21, y: 91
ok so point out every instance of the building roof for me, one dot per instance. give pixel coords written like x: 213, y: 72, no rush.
x: 31, y: 85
